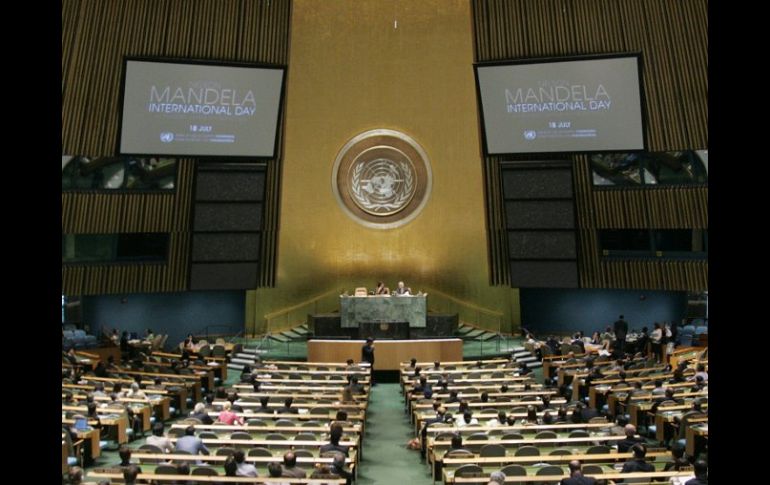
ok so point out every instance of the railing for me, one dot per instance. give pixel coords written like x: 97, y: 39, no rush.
x: 467, y: 312
x: 290, y: 317
x: 207, y: 332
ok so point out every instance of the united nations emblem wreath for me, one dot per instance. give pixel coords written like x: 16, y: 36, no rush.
x: 382, y: 178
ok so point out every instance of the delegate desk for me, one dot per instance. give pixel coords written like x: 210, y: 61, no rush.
x: 357, y: 309
x: 388, y: 354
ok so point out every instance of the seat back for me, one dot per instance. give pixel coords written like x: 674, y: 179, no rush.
x: 204, y: 471
x: 492, y: 449
x: 514, y: 471
x: 527, y: 451
x: 225, y: 451
x: 469, y: 470
x: 260, y: 451
x: 360, y: 291
x: 165, y: 470
x: 240, y: 435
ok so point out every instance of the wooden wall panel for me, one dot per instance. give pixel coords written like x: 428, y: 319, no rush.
x: 96, y: 36
x: 673, y: 40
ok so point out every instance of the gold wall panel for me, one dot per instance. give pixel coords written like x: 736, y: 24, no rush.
x: 403, y: 65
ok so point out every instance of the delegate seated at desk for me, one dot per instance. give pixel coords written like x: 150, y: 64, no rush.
x: 381, y: 289
x: 402, y: 290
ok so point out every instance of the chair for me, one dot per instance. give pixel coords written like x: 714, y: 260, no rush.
x: 218, y: 351
x: 579, y: 433
x: 512, y: 436
x: 192, y: 421
x: 477, y: 437
x: 469, y: 470
x: 527, y: 451
x: 360, y: 291
x: 592, y: 470
x: 275, y: 437
x: 208, y: 435
x: 285, y: 422
x: 220, y: 341
x: 514, y: 471
x: 204, y: 351
x: 259, y: 451
x: 492, y: 449
x: 546, y: 435
x: 311, y: 424
x: 598, y: 450
x: 255, y: 422
x: 456, y: 454
x: 444, y: 436
x: 305, y: 437
x: 175, y: 432
x: 204, y: 471
x: 240, y: 435
x: 552, y: 470
x: 560, y: 451
x: 150, y: 449
x: 303, y: 453
x: 598, y: 419
x: 165, y: 470
x: 224, y: 451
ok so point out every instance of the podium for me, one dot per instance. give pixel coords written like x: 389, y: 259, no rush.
x: 383, y: 310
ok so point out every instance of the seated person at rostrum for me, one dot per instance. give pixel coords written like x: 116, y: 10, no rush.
x: 381, y: 289
x: 401, y: 289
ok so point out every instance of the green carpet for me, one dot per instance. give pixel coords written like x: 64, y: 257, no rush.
x: 387, y: 460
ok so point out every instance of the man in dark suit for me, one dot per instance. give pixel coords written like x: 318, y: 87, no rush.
x: 576, y: 475
x: 631, y: 439
x: 335, y: 433
x: 367, y: 355
x: 338, y: 468
x: 290, y: 468
x: 439, y: 418
x: 701, y: 474
x: 621, y: 329
x: 638, y: 464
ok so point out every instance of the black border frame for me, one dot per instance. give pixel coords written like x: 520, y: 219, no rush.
x: 201, y: 62
x: 546, y: 60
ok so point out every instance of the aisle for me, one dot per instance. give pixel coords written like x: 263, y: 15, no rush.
x: 387, y: 461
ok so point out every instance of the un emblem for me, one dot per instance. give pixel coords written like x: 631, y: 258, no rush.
x: 382, y: 178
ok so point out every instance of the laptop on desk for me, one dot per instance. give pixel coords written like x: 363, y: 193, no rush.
x: 81, y: 424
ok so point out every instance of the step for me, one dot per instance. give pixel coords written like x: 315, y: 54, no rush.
x: 291, y: 335
x: 535, y: 365
x: 474, y: 333
x: 234, y: 366
x: 519, y: 349
x: 517, y: 355
x: 486, y: 336
x: 464, y: 330
x: 279, y: 337
x: 242, y: 361
x: 301, y: 330
x: 241, y: 355
x: 253, y: 350
x: 527, y: 359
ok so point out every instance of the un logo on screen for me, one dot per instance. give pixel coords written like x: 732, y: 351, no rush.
x: 166, y: 137
x: 530, y: 135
